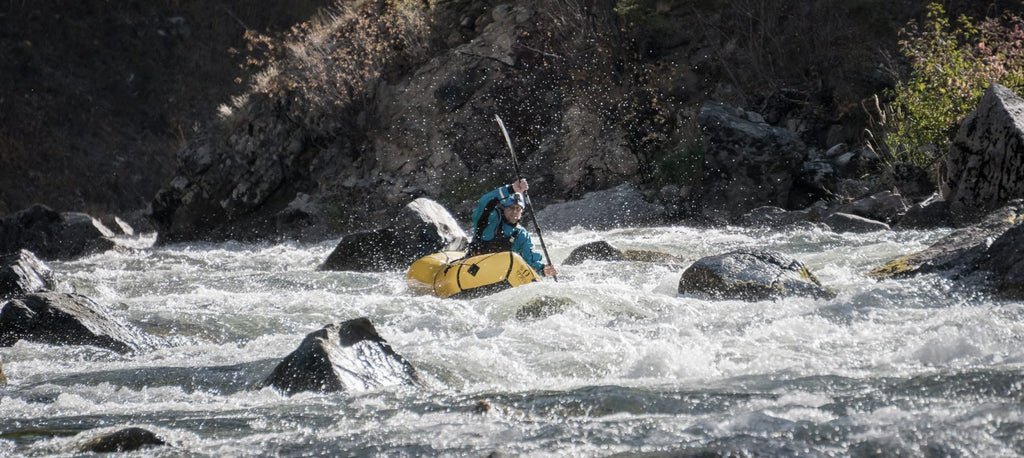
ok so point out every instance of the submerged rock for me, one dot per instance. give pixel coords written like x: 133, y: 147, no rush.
x: 542, y: 307
x: 124, y: 440
x: 23, y: 273
x: 750, y: 275
x: 342, y: 357
x: 423, y: 227
x: 65, y: 319
x: 597, y: 251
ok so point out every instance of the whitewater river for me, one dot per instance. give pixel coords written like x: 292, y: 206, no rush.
x: 893, y: 368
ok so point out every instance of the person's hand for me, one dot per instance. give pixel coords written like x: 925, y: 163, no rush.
x: 520, y: 185
x: 549, y: 271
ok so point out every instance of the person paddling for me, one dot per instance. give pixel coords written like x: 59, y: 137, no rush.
x: 496, y: 227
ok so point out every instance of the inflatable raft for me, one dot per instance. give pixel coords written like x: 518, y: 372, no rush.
x: 452, y: 274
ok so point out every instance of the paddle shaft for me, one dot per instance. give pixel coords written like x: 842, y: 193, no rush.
x: 519, y: 175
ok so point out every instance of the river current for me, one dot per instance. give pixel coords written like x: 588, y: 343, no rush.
x: 625, y: 366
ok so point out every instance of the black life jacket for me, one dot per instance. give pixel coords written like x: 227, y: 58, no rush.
x: 498, y: 242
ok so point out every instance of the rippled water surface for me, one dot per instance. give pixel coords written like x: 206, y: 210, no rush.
x: 623, y: 365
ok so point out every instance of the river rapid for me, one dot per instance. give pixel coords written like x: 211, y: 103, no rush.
x: 626, y: 366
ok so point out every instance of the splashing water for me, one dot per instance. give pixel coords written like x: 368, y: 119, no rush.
x: 915, y: 367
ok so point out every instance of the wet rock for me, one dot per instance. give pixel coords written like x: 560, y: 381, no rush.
x: 3, y: 378
x: 23, y: 273
x: 342, y: 357
x: 750, y: 275
x: 622, y: 206
x: 421, y: 228
x: 959, y: 252
x: 124, y: 440
x: 1003, y: 265
x: 844, y: 222
x: 65, y: 319
x: 52, y: 235
x: 985, y: 166
x: 597, y: 251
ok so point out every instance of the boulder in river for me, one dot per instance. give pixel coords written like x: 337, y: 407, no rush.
x: 23, y: 273
x: 985, y: 163
x: 65, y: 319
x: 52, y: 235
x: 750, y: 275
x: 421, y: 228
x: 604, y: 251
x: 342, y: 357
x: 124, y: 440
x: 845, y: 222
x: 989, y: 253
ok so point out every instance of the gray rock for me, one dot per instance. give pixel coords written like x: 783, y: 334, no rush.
x: 342, y: 357
x: 622, y: 206
x: 1003, y: 264
x: 598, y: 251
x: 52, y: 235
x: 930, y: 213
x: 421, y: 228
x: 845, y: 222
x: 124, y: 440
x: 773, y: 217
x: 985, y: 163
x: 23, y: 273
x: 885, y: 206
x: 747, y: 164
x: 960, y: 252
x: 66, y: 319
x: 750, y: 275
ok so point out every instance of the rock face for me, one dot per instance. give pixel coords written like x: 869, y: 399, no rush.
x: 990, y: 252
x: 985, y: 164
x: 124, y: 440
x: 52, y: 235
x: 23, y: 273
x: 750, y: 275
x: 621, y: 206
x: 423, y: 227
x: 747, y: 162
x: 65, y: 319
x: 342, y: 357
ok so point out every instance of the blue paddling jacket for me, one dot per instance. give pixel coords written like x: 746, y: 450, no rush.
x: 492, y: 234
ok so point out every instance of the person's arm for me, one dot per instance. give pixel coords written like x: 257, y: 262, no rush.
x: 523, y: 246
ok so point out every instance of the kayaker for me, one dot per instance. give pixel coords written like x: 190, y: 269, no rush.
x: 496, y: 226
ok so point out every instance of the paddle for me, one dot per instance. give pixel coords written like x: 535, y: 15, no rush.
x: 519, y: 175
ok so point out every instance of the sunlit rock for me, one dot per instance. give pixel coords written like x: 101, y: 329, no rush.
x: 961, y: 251
x: 65, y: 319
x: 342, y: 357
x: 985, y: 163
x: 750, y: 275
x: 124, y: 440
x: 421, y: 228
x: 23, y: 273
x: 52, y: 235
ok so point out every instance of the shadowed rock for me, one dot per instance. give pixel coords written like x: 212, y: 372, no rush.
x: 124, y: 440
x: 342, y: 357
x: 23, y: 273
x: 52, y: 235
x: 65, y: 319
x: 423, y: 227
x: 597, y: 251
x: 845, y: 222
x: 750, y: 275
